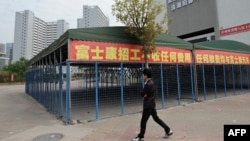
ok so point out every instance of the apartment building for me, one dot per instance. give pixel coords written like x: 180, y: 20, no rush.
x: 9, y: 51
x: 3, y: 58
x: 92, y: 17
x: 33, y: 34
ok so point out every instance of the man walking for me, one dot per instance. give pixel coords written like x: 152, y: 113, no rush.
x: 148, y: 94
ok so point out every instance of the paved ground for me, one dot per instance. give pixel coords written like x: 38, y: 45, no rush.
x: 22, y: 119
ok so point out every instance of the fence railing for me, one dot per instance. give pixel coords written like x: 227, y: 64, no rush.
x: 88, y: 91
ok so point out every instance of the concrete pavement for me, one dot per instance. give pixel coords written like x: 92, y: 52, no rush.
x: 22, y: 119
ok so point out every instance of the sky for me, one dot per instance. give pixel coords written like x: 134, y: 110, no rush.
x: 49, y: 11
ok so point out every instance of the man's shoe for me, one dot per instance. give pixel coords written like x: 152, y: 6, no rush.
x: 168, y: 134
x: 138, y: 139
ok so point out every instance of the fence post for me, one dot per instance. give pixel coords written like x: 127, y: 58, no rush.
x: 55, y: 98
x: 60, y: 91
x: 67, y: 108
x: 192, y: 82
x: 96, y: 91
x: 42, y: 83
x: 233, y: 78
x: 225, y: 84
x: 247, y: 77
x: 215, y: 85
x: 50, y: 87
x: 36, y: 82
x: 178, y: 84
x: 39, y: 82
x: 162, y: 88
x: 60, y: 79
x: 196, y: 94
x: 47, y: 86
x: 204, y: 82
x: 122, y: 90
x: 32, y: 82
x: 241, y: 79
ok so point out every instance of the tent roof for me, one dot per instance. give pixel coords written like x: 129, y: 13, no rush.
x: 118, y: 35
x: 108, y: 34
x: 224, y: 45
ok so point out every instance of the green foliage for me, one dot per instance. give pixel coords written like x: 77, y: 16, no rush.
x: 2, y: 72
x: 17, y: 70
x: 19, y: 67
x: 140, y: 18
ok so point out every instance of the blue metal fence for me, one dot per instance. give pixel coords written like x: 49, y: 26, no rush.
x: 75, y: 90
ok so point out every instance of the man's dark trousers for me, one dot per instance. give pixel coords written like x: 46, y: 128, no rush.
x: 145, y: 116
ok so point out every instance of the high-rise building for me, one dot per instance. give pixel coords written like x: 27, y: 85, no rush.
x: 160, y: 17
x: 9, y: 51
x: 92, y: 17
x: 54, y: 30
x: 202, y: 20
x: 33, y: 34
x: 3, y: 59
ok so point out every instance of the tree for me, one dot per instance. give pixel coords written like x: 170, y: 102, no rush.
x: 19, y: 67
x: 140, y: 18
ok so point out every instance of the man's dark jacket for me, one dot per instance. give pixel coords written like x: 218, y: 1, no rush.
x: 149, y: 90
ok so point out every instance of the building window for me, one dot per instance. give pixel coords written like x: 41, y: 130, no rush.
x: 184, y: 2
x: 190, y: 1
x: 178, y: 5
x: 173, y: 7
